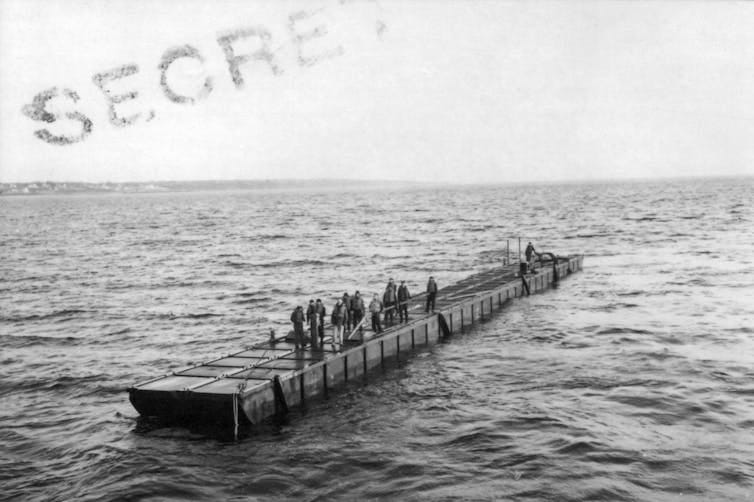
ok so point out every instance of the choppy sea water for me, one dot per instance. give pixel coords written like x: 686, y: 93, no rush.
x: 634, y: 380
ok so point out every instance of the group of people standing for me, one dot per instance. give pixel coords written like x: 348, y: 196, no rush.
x: 394, y: 298
x: 348, y: 314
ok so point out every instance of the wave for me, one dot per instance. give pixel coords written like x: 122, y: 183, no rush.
x: 271, y: 236
x: 610, y: 307
x: 56, y: 384
x: 119, y: 332
x: 586, y: 236
x: 623, y: 331
x: 65, y: 313
x: 236, y: 264
x: 252, y: 301
x: 21, y: 341
x: 199, y: 316
x: 291, y: 263
x: 575, y: 447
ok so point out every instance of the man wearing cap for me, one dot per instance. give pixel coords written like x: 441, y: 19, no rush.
x: 431, y: 293
x: 312, y: 317
x: 357, y: 310
x: 321, y: 313
x: 530, y: 253
x: 349, y: 319
x: 297, y: 318
x: 338, y: 323
x: 375, y: 307
x: 390, y: 301
x: 403, y: 297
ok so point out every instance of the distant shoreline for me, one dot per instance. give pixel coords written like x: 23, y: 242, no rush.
x: 134, y: 187
x: 63, y: 188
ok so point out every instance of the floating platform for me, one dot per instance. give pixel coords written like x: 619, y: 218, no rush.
x: 267, y: 379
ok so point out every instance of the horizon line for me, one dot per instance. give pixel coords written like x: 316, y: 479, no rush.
x: 389, y: 181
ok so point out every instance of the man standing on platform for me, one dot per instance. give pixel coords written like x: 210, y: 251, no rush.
x: 339, y: 314
x: 390, y: 301
x: 431, y: 294
x: 297, y: 318
x: 347, y: 303
x: 375, y: 307
x: 530, y: 252
x: 403, y: 297
x: 357, y: 310
x: 312, y: 317
x: 321, y: 312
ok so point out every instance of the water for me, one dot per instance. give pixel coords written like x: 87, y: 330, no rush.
x: 631, y: 381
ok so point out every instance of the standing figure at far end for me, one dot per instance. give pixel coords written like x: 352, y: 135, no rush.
x: 530, y: 253
x: 431, y: 294
x: 403, y: 297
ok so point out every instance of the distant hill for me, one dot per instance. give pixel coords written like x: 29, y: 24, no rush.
x: 49, y: 187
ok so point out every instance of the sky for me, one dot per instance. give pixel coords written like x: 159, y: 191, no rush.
x: 415, y: 90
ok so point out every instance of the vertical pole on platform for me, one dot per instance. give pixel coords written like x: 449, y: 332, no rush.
x: 519, y: 249
x: 507, y: 251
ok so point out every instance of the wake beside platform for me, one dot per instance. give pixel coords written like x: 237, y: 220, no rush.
x: 265, y: 380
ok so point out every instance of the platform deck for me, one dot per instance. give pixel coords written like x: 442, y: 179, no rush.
x: 270, y: 376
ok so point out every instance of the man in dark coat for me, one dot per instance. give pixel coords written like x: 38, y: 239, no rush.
x: 349, y: 319
x: 403, y: 297
x: 312, y: 317
x: 431, y: 294
x: 530, y: 253
x: 339, y: 315
x: 390, y: 302
x: 321, y: 312
x: 297, y: 318
x: 357, y: 310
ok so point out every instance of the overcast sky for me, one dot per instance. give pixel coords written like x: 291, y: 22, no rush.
x: 461, y: 91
